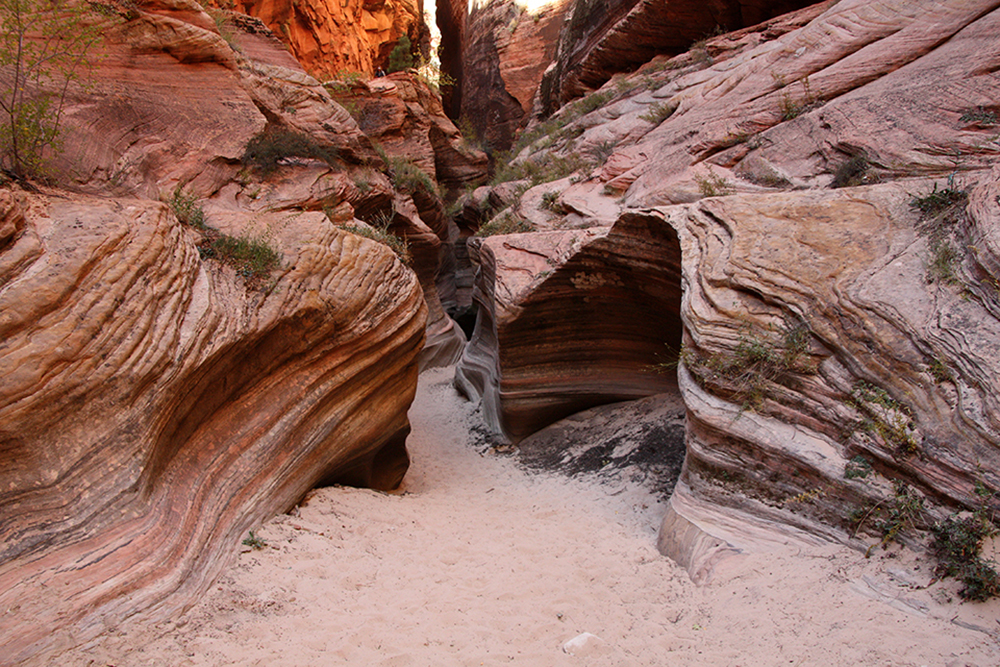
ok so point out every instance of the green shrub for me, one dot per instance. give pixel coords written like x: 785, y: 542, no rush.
x: 550, y: 202
x: 658, y: 112
x: 187, y: 209
x: 885, y: 417
x: 378, y: 231
x: 713, y: 185
x: 858, y: 468
x: 506, y: 223
x: 980, y: 115
x: 401, y: 56
x: 958, y: 543
x: 756, y: 362
x: 855, y: 171
x: 592, y: 102
x: 539, y: 169
x: 43, y: 47
x: 252, y: 257
x: 265, y: 151
x: 602, y: 151
x: 940, y: 201
x: 942, y: 265
x: 409, y: 178
x: 254, y: 542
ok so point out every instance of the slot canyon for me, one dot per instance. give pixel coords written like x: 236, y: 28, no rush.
x: 583, y: 332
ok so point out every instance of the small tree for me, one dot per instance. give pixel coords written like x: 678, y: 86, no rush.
x: 401, y: 56
x: 43, y: 44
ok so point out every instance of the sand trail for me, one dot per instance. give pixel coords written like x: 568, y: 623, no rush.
x: 478, y: 562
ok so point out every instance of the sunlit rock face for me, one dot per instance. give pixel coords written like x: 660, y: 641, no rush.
x: 329, y: 37
x: 830, y: 176
x: 513, y: 58
x: 602, y: 37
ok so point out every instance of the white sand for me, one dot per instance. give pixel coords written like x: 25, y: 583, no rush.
x: 480, y: 563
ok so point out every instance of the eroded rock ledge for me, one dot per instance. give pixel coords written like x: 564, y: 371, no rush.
x: 153, y: 410
x: 569, y: 320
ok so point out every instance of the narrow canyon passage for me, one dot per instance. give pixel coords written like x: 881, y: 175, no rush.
x: 479, y: 562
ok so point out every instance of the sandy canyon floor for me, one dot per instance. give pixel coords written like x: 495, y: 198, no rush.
x: 478, y: 561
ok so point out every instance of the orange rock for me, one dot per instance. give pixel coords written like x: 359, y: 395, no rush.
x: 331, y: 36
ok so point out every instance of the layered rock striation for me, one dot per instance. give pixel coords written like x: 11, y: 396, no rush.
x: 569, y: 320
x: 329, y: 38
x: 153, y: 409
x: 162, y: 393
x: 430, y: 162
x: 829, y: 175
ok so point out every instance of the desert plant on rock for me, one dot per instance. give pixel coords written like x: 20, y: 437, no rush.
x: 268, y: 149
x: 378, y: 230
x: 713, y: 185
x: 408, y: 177
x: 253, y: 257
x: 43, y: 51
x: 856, y: 170
x: 187, y: 209
x: 958, y: 543
x: 658, y: 112
x: 505, y: 223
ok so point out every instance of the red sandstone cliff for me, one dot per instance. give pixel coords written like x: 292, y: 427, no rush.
x: 328, y: 37
x: 157, y: 401
x: 835, y: 302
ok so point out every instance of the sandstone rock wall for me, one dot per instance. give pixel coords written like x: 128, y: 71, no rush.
x: 510, y: 62
x: 404, y: 115
x: 505, y: 51
x: 885, y: 363
x: 565, y: 322
x: 157, y: 402
x: 830, y: 177
x: 153, y: 409
x: 329, y: 37
x: 602, y: 37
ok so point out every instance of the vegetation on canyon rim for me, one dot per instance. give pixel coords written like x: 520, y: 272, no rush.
x: 43, y: 52
x: 253, y: 257
x: 267, y: 150
x: 378, y: 230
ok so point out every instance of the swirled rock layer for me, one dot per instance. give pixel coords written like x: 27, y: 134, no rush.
x: 818, y: 335
x: 153, y: 409
x: 570, y: 320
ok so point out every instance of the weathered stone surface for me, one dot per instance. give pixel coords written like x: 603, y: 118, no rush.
x: 155, y: 403
x: 445, y: 340
x: 897, y: 368
x: 891, y: 317
x: 153, y: 409
x: 505, y: 51
x: 602, y: 37
x: 632, y: 443
x: 330, y: 37
x: 405, y: 116
x: 564, y: 324
x: 166, y: 105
